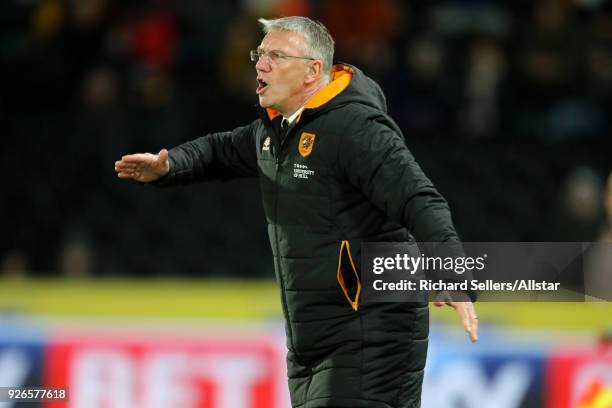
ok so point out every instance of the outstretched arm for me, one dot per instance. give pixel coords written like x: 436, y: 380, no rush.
x: 223, y: 155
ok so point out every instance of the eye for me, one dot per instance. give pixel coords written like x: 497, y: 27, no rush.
x: 275, y: 55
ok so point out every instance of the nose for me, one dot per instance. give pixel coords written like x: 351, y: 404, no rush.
x: 262, y: 65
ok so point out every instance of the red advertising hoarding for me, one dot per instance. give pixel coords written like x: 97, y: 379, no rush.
x: 580, y: 378
x: 181, y: 372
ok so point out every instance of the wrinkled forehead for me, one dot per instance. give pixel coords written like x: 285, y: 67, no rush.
x: 287, y: 41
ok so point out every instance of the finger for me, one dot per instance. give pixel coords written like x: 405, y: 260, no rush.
x: 470, y: 320
x: 474, y: 317
x: 137, y: 158
x: 469, y: 324
x: 474, y: 332
x: 438, y: 303
x: 465, y: 317
x: 123, y: 165
x: 127, y: 169
x: 124, y: 175
x: 120, y: 169
x: 472, y: 329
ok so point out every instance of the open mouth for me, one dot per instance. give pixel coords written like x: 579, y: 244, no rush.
x: 261, y: 86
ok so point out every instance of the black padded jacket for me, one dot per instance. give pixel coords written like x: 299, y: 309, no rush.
x: 341, y: 175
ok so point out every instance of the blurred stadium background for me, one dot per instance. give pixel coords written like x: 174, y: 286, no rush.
x: 136, y: 297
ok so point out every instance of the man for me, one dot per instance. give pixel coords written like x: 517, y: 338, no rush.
x: 334, y: 171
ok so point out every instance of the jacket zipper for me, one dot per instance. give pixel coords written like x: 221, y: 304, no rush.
x: 278, y: 264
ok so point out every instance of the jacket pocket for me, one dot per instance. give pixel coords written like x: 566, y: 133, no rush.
x: 348, y: 278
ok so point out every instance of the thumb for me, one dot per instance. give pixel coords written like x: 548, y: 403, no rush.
x: 162, y: 156
x: 437, y: 303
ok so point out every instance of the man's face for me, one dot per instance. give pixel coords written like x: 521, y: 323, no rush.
x: 281, y: 83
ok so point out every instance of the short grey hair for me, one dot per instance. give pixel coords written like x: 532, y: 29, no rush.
x: 319, y: 43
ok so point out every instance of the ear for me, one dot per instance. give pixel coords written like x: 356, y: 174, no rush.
x: 314, y: 70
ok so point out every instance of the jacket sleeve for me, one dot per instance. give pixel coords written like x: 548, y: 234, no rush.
x: 375, y: 158
x: 224, y: 155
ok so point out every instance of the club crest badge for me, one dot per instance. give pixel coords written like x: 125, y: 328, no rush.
x: 306, y: 143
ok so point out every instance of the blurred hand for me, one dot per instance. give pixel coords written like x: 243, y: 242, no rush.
x: 467, y: 314
x: 143, y: 167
